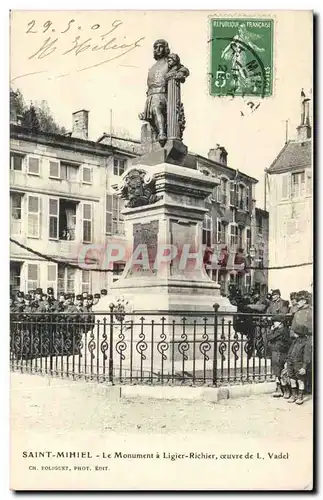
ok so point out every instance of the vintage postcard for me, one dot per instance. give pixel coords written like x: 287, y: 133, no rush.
x: 161, y: 250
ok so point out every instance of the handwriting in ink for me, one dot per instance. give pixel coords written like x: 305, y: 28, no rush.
x: 47, y: 24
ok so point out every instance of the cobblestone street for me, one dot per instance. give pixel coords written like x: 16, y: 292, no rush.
x: 71, y: 417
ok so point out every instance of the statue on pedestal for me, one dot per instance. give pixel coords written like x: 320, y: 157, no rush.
x: 164, y: 110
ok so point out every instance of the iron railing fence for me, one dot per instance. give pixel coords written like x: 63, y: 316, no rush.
x: 156, y: 348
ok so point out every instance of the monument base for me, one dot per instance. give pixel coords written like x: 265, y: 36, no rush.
x: 174, y: 152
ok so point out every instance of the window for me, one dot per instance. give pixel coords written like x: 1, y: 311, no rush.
x: 67, y: 219
x: 33, y: 229
x: 54, y: 169
x: 33, y: 166
x: 15, y: 276
x: 298, y: 184
x: 207, y: 231
x: 69, y: 172
x: 53, y: 218
x: 119, y: 166
x: 16, y: 161
x: 52, y: 276
x: 260, y: 224
x: 248, y: 239
x: 261, y: 258
x: 240, y: 236
x: 233, y: 193
x: 248, y: 282
x: 87, y: 223
x: 222, y: 191
x: 86, y: 175
x: 286, y: 181
x: 241, y: 196
x: 247, y: 199
x: 86, y: 281
x: 118, y: 269
x: 32, y: 276
x: 233, y: 234
x: 65, y: 279
x: 221, y: 232
x: 114, y: 221
x: 16, y: 202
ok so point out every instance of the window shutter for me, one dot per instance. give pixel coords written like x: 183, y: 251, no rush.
x: 108, y: 214
x: 86, y: 175
x: 285, y: 186
x: 52, y: 277
x: 53, y: 214
x: 32, y: 276
x: 87, y: 223
x: 54, y: 170
x: 33, y: 166
x: 33, y: 209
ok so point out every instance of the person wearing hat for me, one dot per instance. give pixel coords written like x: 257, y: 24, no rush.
x: 38, y: 294
x: 300, y: 353
x: 293, y: 303
x: 19, y: 302
x: 104, y: 292
x: 51, y: 299
x: 96, y: 299
x: 278, y: 338
x: 89, y: 302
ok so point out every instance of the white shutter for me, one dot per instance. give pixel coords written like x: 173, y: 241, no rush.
x: 108, y: 214
x: 53, y: 218
x: 285, y: 183
x: 52, y: 277
x: 87, y: 222
x: 32, y: 276
x: 54, y: 169
x: 86, y: 174
x: 33, y: 165
x: 33, y: 210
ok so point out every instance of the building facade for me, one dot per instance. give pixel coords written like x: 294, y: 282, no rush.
x: 290, y: 197
x: 61, y: 201
x: 230, y: 227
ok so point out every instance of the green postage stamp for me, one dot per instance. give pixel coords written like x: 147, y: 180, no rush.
x: 241, y: 57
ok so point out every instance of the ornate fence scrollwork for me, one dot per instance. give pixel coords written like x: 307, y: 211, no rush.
x: 183, y: 346
x: 163, y: 346
x: 104, y: 346
x: 142, y: 346
x: 92, y: 345
x: 121, y: 345
x: 205, y: 346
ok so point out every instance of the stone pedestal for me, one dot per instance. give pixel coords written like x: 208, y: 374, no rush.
x: 175, y: 219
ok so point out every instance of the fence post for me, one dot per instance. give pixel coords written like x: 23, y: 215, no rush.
x: 215, y: 344
x: 111, y: 346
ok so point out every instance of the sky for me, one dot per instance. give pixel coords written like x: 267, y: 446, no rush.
x: 56, y: 56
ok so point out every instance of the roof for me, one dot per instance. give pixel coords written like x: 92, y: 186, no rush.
x: 67, y: 142
x: 293, y: 155
x: 208, y: 161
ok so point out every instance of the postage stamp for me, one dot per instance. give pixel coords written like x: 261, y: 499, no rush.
x: 241, y: 57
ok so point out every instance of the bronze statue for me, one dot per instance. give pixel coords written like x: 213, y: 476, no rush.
x: 156, y: 102
x: 160, y: 109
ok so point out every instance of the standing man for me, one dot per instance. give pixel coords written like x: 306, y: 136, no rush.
x: 299, y: 357
x: 278, y: 337
x: 156, y: 102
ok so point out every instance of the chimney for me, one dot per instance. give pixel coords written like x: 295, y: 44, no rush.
x: 81, y: 124
x: 304, y: 130
x: 219, y: 154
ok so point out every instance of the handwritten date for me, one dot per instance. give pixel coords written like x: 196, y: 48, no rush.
x: 33, y: 29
